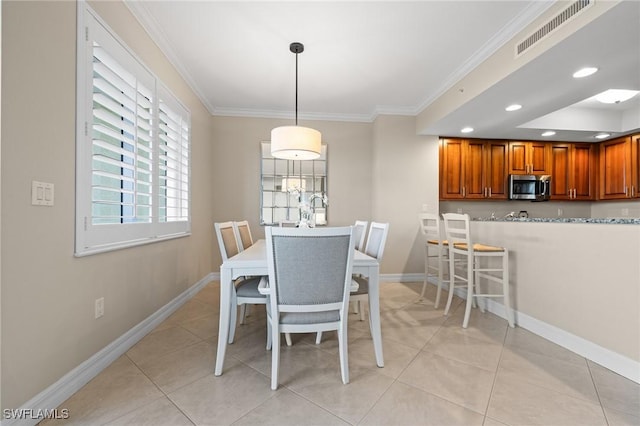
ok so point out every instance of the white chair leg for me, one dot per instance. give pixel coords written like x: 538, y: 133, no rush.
x: 440, y: 279
x: 344, y: 355
x: 470, y: 284
x: 505, y: 288
x: 426, y: 270
x: 287, y: 337
x: 243, y: 312
x: 275, y: 358
x: 318, y: 337
x: 452, y: 281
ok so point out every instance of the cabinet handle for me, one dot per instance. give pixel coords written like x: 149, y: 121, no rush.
x: 489, y: 192
x: 464, y: 192
x: 626, y: 191
x: 485, y: 192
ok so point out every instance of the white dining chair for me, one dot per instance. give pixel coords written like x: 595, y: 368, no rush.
x: 245, y: 289
x: 308, y: 287
x: 477, y: 258
x: 375, y: 248
x: 436, y: 252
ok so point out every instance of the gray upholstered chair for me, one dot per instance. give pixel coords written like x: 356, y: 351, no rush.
x: 308, y: 287
x: 245, y: 289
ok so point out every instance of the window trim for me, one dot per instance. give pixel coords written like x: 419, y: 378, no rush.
x: 98, y: 238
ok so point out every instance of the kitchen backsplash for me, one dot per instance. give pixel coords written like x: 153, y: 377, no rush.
x: 547, y: 209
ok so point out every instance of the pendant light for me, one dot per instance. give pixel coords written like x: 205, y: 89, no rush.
x: 295, y: 142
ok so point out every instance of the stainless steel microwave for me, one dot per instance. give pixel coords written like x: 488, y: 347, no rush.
x: 530, y: 187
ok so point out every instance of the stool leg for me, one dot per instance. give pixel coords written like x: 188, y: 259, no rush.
x: 476, y: 288
x: 426, y: 270
x: 505, y: 288
x: 440, y: 276
x: 452, y: 280
x: 470, y: 284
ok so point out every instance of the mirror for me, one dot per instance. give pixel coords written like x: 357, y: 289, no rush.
x: 285, y: 184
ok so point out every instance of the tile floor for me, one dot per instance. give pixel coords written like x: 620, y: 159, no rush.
x: 436, y: 373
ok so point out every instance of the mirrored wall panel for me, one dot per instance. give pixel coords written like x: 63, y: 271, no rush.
x: 289, y: 186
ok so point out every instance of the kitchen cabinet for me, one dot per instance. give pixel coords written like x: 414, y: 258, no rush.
x: 529, y: 158
x: 573, y: 171
x: 619, y: 168
x: 473, y: 169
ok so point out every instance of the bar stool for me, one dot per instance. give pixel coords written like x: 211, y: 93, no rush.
x: 432, y: 233
x: 456, y: 228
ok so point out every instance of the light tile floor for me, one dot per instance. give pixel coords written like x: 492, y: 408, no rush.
x: 436, y: 373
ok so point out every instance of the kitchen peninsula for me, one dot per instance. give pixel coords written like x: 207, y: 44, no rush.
x: 575, y: 282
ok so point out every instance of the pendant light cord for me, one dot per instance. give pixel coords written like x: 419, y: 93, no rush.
x: 296, y: 88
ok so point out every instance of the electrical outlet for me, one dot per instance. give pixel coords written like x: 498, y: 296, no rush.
x: 99, y: 307
x: 459, y: 211
x: 560, y: 212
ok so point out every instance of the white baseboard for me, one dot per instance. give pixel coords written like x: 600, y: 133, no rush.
x: 70, y: 383
x: 607, y: 358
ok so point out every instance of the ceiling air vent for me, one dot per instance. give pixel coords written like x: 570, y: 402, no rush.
x: 561, y: 18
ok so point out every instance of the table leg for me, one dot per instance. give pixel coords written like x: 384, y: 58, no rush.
x: 374, y: 314
x: 223, y: 330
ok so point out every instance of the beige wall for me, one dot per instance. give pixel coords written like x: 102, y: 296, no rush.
x: 581, y: 278
x: 48, y: 324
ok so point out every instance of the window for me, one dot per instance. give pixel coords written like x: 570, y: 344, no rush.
x: 132, y: 148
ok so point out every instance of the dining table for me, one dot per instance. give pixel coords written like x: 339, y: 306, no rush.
x: 253, y: 262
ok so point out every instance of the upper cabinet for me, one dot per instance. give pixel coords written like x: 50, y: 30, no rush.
x: 529, y: 158
x: 573, y: 171
x: 473, y: 169
x: 619, y: 164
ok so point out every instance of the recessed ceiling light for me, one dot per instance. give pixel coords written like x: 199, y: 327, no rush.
x: 548, y: 133
x: 585, y: 72
x: 602, y: 135
x: 467, y: 130
x: 513, y: 107
x: 615, y: 96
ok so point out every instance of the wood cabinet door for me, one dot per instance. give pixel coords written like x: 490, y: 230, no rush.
x: 497, y: 169
x: 518, y: 164
x: 615, y: 168
x: 561, y: 188
x: 539, y: 158
x: 583, y: 171
x: 474, y: 170
x: 451, y: 169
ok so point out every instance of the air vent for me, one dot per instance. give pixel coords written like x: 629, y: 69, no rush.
x: 557, y: 21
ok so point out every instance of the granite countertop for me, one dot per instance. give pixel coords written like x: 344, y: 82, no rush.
x: 615, y: 221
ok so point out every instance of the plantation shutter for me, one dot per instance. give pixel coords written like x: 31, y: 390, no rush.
x: 121, y: 172
x: 173, y: 160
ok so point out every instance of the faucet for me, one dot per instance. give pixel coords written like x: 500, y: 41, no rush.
x: 509, y: 215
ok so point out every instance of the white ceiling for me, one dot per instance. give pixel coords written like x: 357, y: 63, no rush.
x: 363, y: 58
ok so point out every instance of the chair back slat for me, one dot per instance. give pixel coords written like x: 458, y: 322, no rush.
x: 430, y: 226
x: 456, y: 228
x: 226, y: 240
x: 359, y: 233
x: 377, y: 239
x: 245, y: 240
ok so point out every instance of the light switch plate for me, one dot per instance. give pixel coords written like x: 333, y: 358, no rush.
x: 41, y: 193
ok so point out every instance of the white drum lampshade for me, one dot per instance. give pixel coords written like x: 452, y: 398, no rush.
x: 295, y: 143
